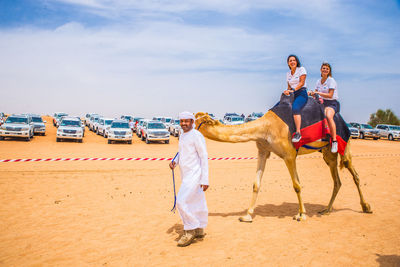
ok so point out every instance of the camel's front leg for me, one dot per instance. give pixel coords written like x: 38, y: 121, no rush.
x: 291, y: 165
x: 262, y: 158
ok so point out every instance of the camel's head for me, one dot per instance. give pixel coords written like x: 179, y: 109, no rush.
x: 205, y: 119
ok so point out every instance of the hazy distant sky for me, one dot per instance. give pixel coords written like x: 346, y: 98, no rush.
x: 152, y: 57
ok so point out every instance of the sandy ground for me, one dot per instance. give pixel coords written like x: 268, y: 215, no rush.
x: 118, y: 213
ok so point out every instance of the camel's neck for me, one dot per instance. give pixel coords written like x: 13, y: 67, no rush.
x: 250, y: 131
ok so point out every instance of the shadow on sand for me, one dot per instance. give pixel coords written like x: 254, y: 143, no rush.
x: 388, y: 260
x: 281, y: 211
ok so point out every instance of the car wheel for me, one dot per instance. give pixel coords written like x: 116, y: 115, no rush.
x: 390, y: 137
x: 167, y: 141
x: 80, y: 140
x: 376, y: 138
x: 362, y: 136
x: 1, y: 138
x: 142, y: 138
x: 147, y: 141
x: 58, y: 139
x: 109, y: 141
x: 130, y: 142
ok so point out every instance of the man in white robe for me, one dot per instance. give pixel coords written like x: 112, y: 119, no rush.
x: 193, y: 162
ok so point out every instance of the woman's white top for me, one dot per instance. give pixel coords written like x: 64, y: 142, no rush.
x: 330, y: 83
x: 294, y: 80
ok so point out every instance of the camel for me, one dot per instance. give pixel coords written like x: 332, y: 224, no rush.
x: 271, y: 134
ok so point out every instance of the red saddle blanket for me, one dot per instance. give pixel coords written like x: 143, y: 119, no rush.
x: 314, y: 125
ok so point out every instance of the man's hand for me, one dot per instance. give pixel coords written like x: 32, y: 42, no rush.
x: 172, y: 165
x: 286, y: 92
x: 204, y: 187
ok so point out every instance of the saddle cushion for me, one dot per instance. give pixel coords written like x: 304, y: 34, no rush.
x: 314, y: 125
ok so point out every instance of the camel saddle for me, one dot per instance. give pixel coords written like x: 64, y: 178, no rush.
x: 314, y: 125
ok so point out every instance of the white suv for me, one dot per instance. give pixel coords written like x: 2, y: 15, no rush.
x: 39, y: 126
x: 17, y: 126
x: 120, y: 131
x: 103, y: 126
x: 155, y: 131
x: 390, y: 132
x: 174, y: 128
x: 70, y: 128
x: 233, y: 120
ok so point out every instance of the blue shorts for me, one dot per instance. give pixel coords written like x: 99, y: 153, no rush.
x: 334, y: 104
x: 300, y: 100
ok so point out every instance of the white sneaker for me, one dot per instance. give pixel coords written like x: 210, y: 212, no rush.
x: 334, y: 147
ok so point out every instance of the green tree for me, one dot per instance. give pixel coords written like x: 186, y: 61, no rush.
x: 383, y: 117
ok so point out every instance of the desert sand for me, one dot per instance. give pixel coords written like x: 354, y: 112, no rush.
x: 117, y: 213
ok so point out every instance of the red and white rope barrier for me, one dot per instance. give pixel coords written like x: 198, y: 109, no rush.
x: 169, y: 159
x: 116, y: 159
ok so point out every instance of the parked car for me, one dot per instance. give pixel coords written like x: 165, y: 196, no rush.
x: 92, y: 120
x: 17, y: 126
x: 248, y: 119
x: 136, y: 123
x: 390, y: 132
x: 366, y: 130
x: 157, y: 118
x: 57, y: 117
x: 354, y: 132
x: 87, y: 118
x: 119, y: 131
x: 155, y: 131
x: 230, y: 114
x: 126, y: 117
x: 39, y: 126
x: 139, y: 127
x: 174, y: 128
x: 233, y: 120
x: 2, y: 118
x: 103, y: 126
x: 70, y: 128
x: 96, y: 124
x: 167, y: 121
x: 256, y: 114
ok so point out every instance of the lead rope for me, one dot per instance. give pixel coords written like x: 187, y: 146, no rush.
x: 173, y: 180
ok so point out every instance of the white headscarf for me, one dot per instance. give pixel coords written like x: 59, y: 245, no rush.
x: 186, y: 115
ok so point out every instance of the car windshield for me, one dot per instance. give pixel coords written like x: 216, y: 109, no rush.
x: 108, y: 122
x: 156, y: 126
x: 366, y: 126
x: 37, y: 119
x: 96, y: 119
x: 237, y: 119
x: 177, y: 122
x: 394, y: 128
x: 348, y: 125
x: 70, y: 123
x: 168, y: 120
x: 258, y: 115
x: 120, y: 125
x: 62, y: 115
x: 17, y: 120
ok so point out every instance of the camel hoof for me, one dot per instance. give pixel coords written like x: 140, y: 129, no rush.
x: 300, y: 217
x: 246, y: 218
x: 366, y: 208
x: 325, y: 211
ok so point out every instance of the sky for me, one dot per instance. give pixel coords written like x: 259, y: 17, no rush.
x: 152, y: 57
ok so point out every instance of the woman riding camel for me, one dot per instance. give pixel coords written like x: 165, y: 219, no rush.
x: 326, y: 88
x: 296, y: 80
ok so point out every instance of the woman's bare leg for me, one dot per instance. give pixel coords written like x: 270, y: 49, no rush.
x: 329, y: 113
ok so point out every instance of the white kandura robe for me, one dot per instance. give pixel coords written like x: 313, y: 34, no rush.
x: 193, y: 162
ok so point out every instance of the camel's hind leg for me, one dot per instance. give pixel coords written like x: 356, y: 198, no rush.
x: 331, y: 160
x: 291, y: 165
x: 346, y: 161
x: 262, y: 158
